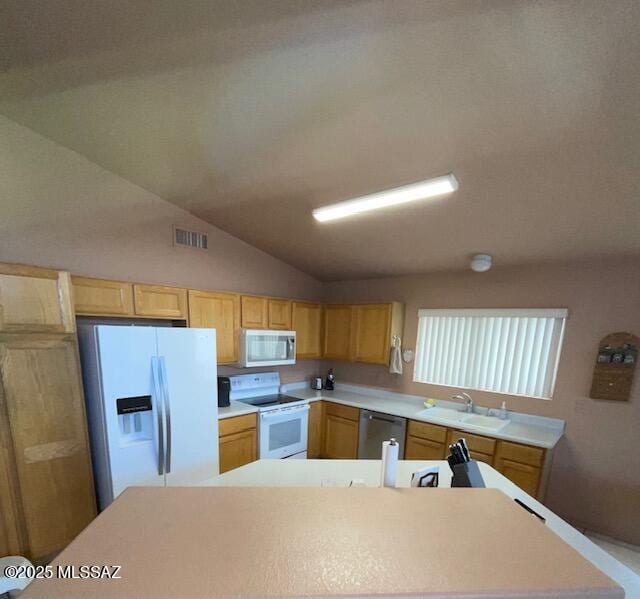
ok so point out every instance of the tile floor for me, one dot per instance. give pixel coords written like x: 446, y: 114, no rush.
x: 627, y: 554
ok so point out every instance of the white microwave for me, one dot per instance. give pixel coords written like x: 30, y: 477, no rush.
x: 259, y: 347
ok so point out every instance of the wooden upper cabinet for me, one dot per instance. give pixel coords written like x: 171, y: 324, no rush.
x: 102, y: 297
x: 255, y: 312
x: 337, y: 327
x: 372, y: 327
x: 362, y: 332
x: 35, y: 300
x: 160, y: 302
x: 42, y: 405
x: 279, y: 314
x: 306, y: 321
x: 220, y: 311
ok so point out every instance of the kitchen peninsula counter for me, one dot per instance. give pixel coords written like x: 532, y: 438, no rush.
x: 295, y: 541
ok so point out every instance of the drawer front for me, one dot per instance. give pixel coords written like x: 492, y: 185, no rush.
x: 229, y: 426
x: 433, y: 432
x: 481, y: 457
x: 475, y: 443
x: 423, y: 449
x: 347, y: 412
x: 524, y: 454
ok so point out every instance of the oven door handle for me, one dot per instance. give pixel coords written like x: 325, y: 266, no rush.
x: 285, y: 412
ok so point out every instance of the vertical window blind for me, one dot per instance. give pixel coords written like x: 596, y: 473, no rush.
x: 514, y: 351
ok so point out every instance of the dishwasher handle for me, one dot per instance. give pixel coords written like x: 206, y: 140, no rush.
x: 366, y: 414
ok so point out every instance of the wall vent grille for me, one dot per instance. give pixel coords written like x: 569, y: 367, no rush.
x: 189, y: 238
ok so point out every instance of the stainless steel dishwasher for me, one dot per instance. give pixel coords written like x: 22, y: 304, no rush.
x: 375, y: 428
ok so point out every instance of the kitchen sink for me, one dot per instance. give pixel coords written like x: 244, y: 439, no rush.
x: 449, y: 416
x: 489, y: 422
x: 444, y: 414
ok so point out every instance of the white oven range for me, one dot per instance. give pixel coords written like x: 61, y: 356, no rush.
x: 283, y: 420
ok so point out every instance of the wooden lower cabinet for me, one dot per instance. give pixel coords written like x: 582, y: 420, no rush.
x: 314, y: 439
x: 46, y: 482
x: 423, y: 449
x: 525, y: 476
x: 238, y: 441
x: 425, y: 441
x: 521, y: 464
x: 341, y: 427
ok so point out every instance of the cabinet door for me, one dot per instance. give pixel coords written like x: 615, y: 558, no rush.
x: 160, y: 302
x: 340, y: 438
x: 254, y: 312
x: 41, y: 389
x: 12, y: 540
x: 337, y: 331
x: 314, y: 442
x: 525, y: 476
x: 307, y: 323
x: 102, y: 297
x: 372, y: 324
x: 35, y: 300
x: 279, y: 314
x: 480, y: 445
x: 219, y: 311
x: 237, y: 450
x: 423, y: 449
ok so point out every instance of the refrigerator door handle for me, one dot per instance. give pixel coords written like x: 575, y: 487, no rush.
x: 167, y: 413
x: 157, y: 389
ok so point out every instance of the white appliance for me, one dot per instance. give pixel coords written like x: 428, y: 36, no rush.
x: 152, y: 406
x: 259, y: 347
x: 283, y: 420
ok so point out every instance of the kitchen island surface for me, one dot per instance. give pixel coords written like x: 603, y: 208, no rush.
x: 298, y: 541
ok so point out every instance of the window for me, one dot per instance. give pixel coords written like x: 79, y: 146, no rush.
x: 501, y: 350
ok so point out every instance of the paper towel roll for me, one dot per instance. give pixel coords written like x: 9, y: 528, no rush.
x: 389, y: 463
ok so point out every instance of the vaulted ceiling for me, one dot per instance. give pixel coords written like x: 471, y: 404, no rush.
x: 251, y: 113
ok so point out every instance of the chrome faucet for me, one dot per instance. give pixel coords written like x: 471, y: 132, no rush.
x: 465, y: 397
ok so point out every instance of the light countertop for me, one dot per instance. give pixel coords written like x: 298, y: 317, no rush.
x: 523, y: 428
x: 236, y: 408
x: 330, y: 473
x: 197, y: 542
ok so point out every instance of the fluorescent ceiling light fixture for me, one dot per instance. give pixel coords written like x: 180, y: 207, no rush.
x: 391, y: 197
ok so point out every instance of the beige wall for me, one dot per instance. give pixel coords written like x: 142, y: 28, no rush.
x: 591, y: 483
x: 59, y: 209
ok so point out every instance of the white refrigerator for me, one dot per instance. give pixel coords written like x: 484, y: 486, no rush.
x: 152, y: 406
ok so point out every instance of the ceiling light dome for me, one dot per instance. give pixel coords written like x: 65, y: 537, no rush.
x: 481, y: 262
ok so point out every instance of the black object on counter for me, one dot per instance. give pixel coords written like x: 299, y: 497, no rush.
x: 531, y: 511
x: 331, y: 379
x: 224, y: 388
x: 465, y: 470
x: 467, y: 474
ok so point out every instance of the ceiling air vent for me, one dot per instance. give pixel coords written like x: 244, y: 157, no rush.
x: 189, y: 238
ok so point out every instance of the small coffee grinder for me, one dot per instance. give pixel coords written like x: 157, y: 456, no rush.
x: 330, y: 380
